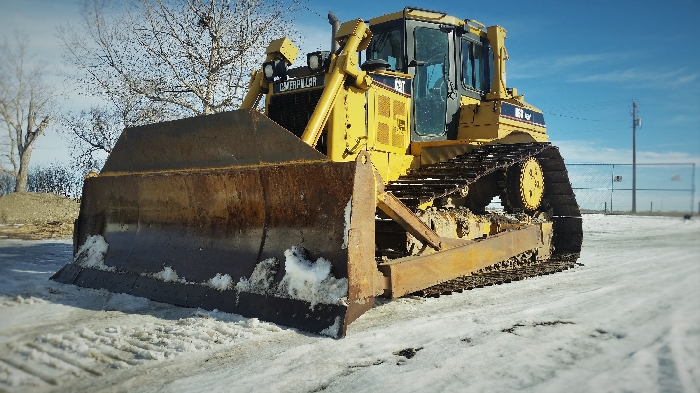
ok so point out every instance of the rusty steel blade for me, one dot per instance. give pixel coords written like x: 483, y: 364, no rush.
x: 217, y: 195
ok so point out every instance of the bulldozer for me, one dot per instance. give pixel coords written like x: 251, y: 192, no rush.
x: 337, y: 182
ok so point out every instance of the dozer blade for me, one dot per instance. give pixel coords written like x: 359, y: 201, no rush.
x: 231, y: 212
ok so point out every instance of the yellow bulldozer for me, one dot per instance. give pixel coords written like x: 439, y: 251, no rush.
x: 359, y: 179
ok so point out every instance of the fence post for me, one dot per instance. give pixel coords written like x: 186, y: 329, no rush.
x: 612, y: 187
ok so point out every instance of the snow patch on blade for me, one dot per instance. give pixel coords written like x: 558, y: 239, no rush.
x: 168, y: 274
x: 260, y: 280
x: 333, y: 330
x: 92, y: 254
x: 311, y: 281
x: 221, y: 282
x: 304, y: 280
x: 346, y: 231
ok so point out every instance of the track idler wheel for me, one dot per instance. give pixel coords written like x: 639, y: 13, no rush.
x: 524, y: 186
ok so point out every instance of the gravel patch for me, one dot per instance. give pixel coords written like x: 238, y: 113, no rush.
x: 33, y: 215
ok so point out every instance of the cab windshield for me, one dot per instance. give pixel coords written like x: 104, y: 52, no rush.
x: 387, y: 44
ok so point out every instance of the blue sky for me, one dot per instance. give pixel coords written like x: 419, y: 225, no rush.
x: 582, y: 63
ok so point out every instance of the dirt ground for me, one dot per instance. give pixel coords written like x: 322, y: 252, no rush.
x: 31, y: 215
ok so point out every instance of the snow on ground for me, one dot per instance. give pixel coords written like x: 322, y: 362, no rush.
x: 628, y: 320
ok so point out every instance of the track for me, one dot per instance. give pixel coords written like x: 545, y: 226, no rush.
x: 502, y: 275
x: 441, y: 180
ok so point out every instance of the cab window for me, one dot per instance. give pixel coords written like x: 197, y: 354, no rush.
x: 430, y: 83
x: 473, y: 75
x: 388, y: 45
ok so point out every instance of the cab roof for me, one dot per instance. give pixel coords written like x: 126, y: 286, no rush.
x: 430, y: 16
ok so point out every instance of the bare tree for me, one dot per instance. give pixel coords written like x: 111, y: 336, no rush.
x: 24, y: 108
x: 92, y: 135
x: 171, y: 59
x: 56, y: 179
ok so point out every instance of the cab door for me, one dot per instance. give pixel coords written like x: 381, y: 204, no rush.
x: 436, y: 99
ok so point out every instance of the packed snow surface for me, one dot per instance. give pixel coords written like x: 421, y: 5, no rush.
x: 626, y: 321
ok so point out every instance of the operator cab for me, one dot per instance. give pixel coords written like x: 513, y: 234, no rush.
x: 445, y: 59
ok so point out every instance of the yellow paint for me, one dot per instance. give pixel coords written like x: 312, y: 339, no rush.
x: 413, y: 273
x: 347, y: 134
x: 356, y: 36
x: 483, y: 122
x: 497, y: 36
x: 428, y: 16
x: 279, y: 49
x: 531, y: 184
x: 282, y: 47
x: 380, y: 161
x: 359, y: 115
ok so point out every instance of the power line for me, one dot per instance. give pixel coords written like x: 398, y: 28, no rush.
x: 570, y: 117
x: 594, y: 105
x: 312, y: 11
x: 584, y: 131
x: 577, y: 108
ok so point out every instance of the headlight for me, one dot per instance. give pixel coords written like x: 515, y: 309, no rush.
x: 318, y: 61
x: 269, y: 70
x: 313, y: 63
x: 275, y: 68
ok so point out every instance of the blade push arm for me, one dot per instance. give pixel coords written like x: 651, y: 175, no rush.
x: 356, y: 36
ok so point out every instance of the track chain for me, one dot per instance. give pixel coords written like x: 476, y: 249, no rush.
x: 497, y: 276
x: 444, y: 178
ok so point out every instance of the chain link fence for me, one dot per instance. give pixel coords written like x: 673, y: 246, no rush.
x: 599, y: 188
x: 607, y: 188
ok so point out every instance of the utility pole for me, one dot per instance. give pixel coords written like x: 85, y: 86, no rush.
x: 692, y: 193
x: 634, y: 157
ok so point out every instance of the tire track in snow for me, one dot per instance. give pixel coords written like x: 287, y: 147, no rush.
x: 27, y: 376
x: 55, y: 359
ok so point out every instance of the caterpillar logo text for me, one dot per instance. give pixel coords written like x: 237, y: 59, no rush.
x: 299, y: 83
x: 400, y: 85
x: 520, y: 114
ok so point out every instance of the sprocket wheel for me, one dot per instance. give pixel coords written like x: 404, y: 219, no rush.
x: 525, y: 186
